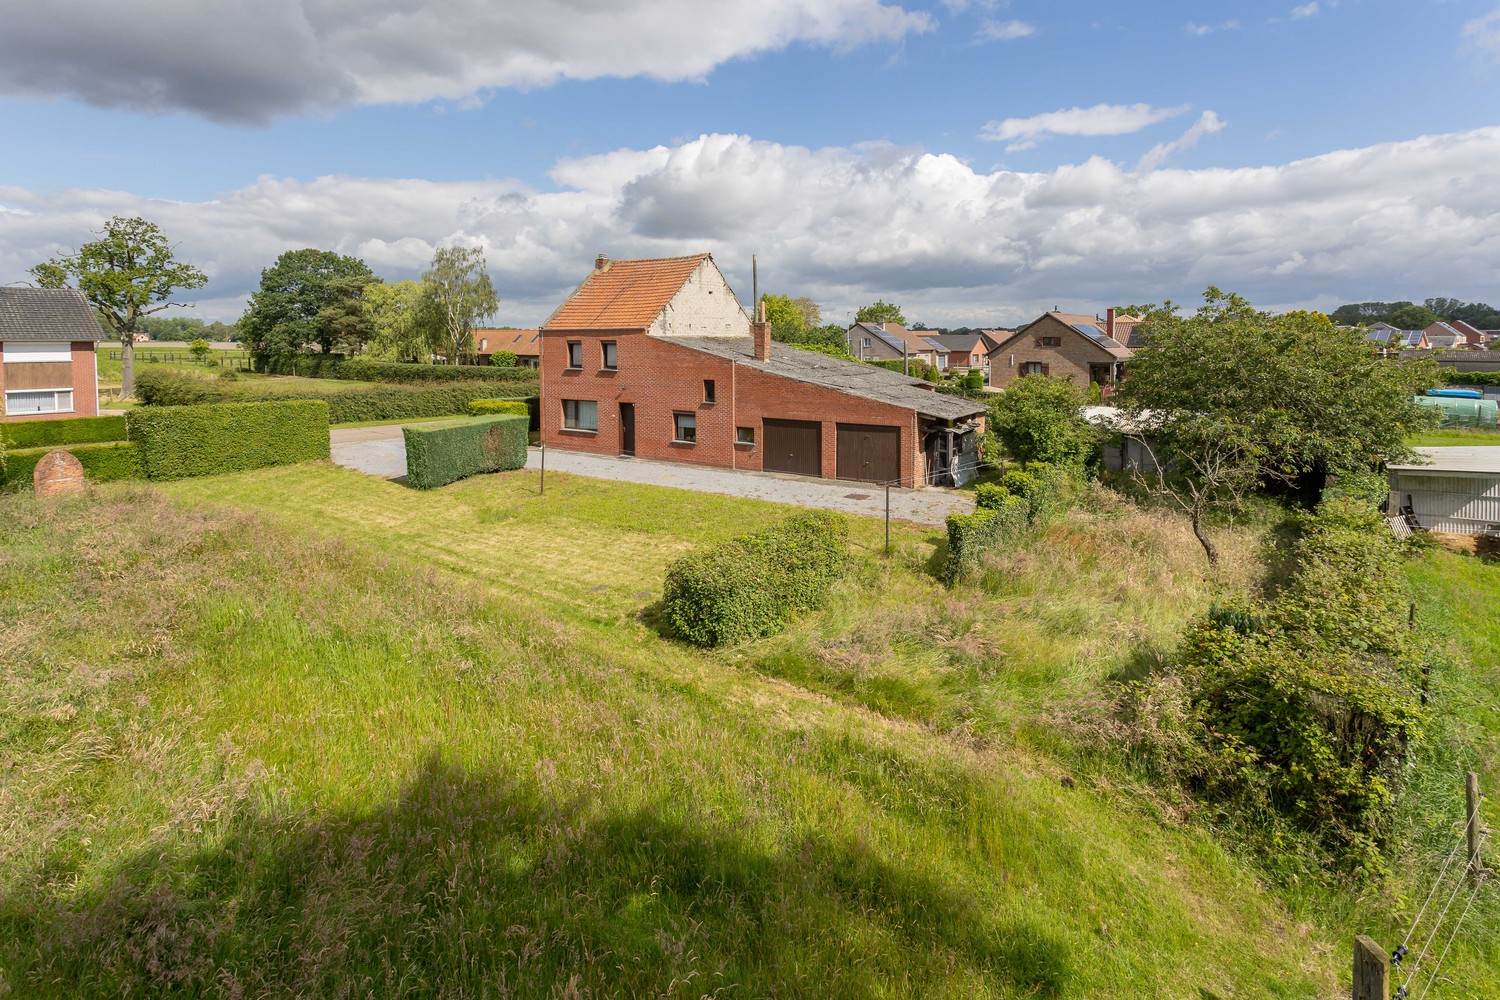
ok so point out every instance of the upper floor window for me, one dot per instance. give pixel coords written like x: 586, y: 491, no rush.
x: 1049, y: 341
x: 575, y: 354
x: 611, y: 355
x: 708, y: 390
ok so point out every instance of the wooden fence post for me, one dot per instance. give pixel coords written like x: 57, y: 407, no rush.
x: 1372, y: 970
x: 1471, y: 794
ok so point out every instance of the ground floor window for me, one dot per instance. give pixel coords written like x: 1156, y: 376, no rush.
x: 1034, y: 368
x: 744, y: 435
x: 685, y: 428
x: 39, y: 401
x: 1101, y: 374
x: 580, y: 415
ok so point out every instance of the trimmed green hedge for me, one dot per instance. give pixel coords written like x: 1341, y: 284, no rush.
x: 346, y: 404
x: 485, y: 407
x: 1045, y: 487
x: 752, y: 586
x: 436, y: 456
x: 999, y: 517
x: 212, y: 438
x: 75, y: 430
x: 102, y: 463
x: 355, y: 370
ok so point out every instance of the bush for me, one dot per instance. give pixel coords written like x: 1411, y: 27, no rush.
x: 999, y: 517
x: 346, y: 404
x: 436, y: 456
x: 504, y: 359
x: 753, y: 586
x: 1036, y: 419
x: 1046, y: 488
x: 355, y: 370
x: 974, y: 379
x: 102, y: 463
x: 177, y: 442
x: 77, y: 430
x: 483, y: 407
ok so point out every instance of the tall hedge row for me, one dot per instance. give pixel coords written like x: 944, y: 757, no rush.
x: 74, y: 430
x: 177, y: 442
x: 999, y: 517
x: 101, y: 463
x: 752, y: 586
x: 356, y: 370
x: 436, y: 456
x: 346, y: 404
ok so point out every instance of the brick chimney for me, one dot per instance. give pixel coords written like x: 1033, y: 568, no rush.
x: 601, y: 263
x: 1109, y: 323
x: 760, y: 336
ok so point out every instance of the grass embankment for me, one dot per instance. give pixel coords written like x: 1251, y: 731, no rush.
x: 1447, y: 437
x: 448, y: 755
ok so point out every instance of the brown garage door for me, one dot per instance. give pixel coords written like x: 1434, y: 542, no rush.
x: 869, y: 454
x: 793, y: 446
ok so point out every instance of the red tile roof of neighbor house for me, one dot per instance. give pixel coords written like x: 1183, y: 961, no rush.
x: 514, y: 341
x: 624, y: 294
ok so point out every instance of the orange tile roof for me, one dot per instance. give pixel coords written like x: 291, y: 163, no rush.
x: 624, y: 294
x: 515, y: 341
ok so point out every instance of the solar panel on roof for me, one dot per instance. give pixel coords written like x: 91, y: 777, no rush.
x: 1092, y: 332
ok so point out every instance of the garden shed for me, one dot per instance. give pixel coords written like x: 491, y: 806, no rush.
x: 1452, y: 489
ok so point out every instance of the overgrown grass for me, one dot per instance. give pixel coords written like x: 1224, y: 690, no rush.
x: 428, y: 746
x: 1455, y: 436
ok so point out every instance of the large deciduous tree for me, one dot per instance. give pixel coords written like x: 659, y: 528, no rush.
x: 405, y: 327
x: 129, y: 272
x: 459, y: 291
x: 1231, y: 397
x: 880, y: 311
x: 310, y: 297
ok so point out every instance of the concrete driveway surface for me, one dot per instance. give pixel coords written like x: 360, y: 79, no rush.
x: 380, y: 451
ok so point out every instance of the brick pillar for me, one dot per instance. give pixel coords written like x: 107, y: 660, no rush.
x: 760, y: 333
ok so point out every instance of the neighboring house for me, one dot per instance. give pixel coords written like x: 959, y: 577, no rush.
x: 968, y: 351
x: 524, y: 344
x: 1068, y: 345
x: 892, y: 341
x: 657, y: 359
x: 1393, y: 339
x: 1473, y: 336
x: 1442, y: 336
x: 1452, y: 489
x: 48, y: 368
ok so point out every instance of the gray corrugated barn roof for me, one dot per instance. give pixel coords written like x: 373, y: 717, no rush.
x: 853, y: 377
x: 60, y: 314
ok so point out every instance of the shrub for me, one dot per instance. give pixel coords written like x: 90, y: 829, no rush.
x: 1036, y: 419
x: 77, y: 430
x: 999, y: 517
x: 504, y: 359
x: 753, y: 586
x: 102, y: 463
x: 1046, y: 489
x: 436, y: 456
x: 164, y: 387
x: 483, y: 407
x: 177, y: 442
x: 356, y: 370
x: 974, y: 379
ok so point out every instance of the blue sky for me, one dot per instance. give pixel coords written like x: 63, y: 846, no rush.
x: 862, y: 148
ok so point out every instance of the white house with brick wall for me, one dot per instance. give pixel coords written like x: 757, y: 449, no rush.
x: 48, y: 368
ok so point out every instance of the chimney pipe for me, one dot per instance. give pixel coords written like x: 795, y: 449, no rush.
x: 601, y: 262
x: 760, y: 334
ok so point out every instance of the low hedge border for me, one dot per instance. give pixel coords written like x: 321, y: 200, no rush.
x: 178, y: 442
x: 356, y: 370
x: 486, y: 407
x: 754, y: 585
x: 998, y: 518
x: 437, y: 456
x: 73, y: 430
x: 102, y: 463
x: 346, y: 405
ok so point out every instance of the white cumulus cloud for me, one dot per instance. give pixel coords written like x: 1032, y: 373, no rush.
x: 1481, y: 40
x: 248, y: 61
x: 951, y: 244
x: 1005, y: 31
x: 1101, y: 119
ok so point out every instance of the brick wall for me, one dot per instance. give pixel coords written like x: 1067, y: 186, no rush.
x: 1071, y: 359
x: 85, y: 387
x: 661, y: 378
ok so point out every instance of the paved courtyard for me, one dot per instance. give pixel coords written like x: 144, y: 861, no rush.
x: 380, y: 451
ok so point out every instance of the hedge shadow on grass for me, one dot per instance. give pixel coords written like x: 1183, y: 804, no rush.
x: 469, y: 881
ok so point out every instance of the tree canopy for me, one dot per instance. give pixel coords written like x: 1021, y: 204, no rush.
x: 128, y: 273
x: 404, y: 326
x: 795, y: 322
x: 458, y: 290
x: 310, y: 297
x: 1037, y: 419
x: 1410, y: 316
x: 880, y: 311
x: 1233, y: 396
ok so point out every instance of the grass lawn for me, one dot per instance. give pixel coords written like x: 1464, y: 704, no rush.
x: 1454, y: 436
x: 302, y: 731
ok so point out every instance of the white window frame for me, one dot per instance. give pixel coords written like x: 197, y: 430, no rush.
x: 578, y: 423
x: 55, y: 393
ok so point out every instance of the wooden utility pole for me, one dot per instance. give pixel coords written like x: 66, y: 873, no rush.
x: 1474, y: 827
x: 1372, y: 970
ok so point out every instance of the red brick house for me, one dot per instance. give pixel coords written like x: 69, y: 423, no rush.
x: 657, y: 359
x: 48, y: 369
x: 524, y: 344
x: 1068, y: 345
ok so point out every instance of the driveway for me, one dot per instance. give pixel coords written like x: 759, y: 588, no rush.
x: 380, y: 451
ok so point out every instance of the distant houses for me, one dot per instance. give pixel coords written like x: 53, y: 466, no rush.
x: 1067, y: 345
x: 48, y: 368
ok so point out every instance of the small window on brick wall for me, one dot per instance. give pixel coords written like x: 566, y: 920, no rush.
x: 684, y: 428
x: 611, y: 355
x: 575, y: 354
x: 744, y: 435
x: 708, y: 390
x: 1049, y: 341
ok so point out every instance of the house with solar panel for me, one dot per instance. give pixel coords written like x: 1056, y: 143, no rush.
x: 1064, y: 345
x: 893, y: 342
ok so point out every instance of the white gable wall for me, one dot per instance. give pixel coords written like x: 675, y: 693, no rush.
x: 705, y: 306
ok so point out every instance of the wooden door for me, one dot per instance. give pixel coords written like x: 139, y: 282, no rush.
x: 627, y: 428
x: 868, y: 453
x: 794, y: 446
